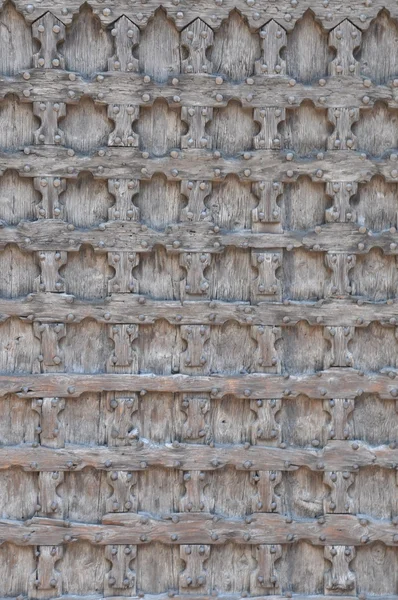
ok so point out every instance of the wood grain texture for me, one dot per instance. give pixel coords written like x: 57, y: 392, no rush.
x: 198, y: 299
x: 127, y: 308
x: 330, y: 15
x: 230, y: 596
x: 350, y: 382
x: 199, y: 165
x: 201, y: 237
x: 335, y: 456
x: 199, y: 528
x: 283, y: 91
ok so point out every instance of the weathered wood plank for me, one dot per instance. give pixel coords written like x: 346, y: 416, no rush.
x: 202, y: 528
x: 333, y: 383
x: 136, y: 309
x: 194, y: 90
x: 330, y: 15
x: 192, y: 164
x: 339, y: 455
x: 197, y: 237
x: 221, y: 596
x: 143, y: 134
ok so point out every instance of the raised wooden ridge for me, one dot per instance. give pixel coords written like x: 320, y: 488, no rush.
x: 197, y: 90
x: 131, y: 236
x: 197, y: 164
x: 202, y: 528
x: 213, y: 594
x: 336, y: 382
x: 339, y: 455
x: 287, y: 14
x: 138, y: 309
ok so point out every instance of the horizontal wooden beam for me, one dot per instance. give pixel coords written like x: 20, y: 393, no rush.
x: 214, y: 595
x: 286, y: 14
x: 119, y: 236
x: 202, y: 528
x: 195, y: 90
x: 259, y: 165
x: 138, y: 309
x: 339, y: 455
x: 338, y: 382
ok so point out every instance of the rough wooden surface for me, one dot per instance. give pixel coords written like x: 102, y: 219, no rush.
x: 197, y: 90
x: 204, y: 165
x: 323, y: 384
x: 123, y: 308
x: 182, y: 12
x: 201, y: 528
x: 335, y: 456
x: 198, y: 299
x: 201, y: 237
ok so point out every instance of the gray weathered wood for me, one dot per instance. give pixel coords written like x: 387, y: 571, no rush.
x: 198, y: 299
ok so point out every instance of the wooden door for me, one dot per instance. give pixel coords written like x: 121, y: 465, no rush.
x: 198, y: 299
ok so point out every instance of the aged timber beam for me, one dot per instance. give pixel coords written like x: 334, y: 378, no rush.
x: 344, y: 382
x: 259, y: 165
x: 339, y: 455
x: 131, y: 236
x: 194, y: 90
x: 202, y: 528
x: 135, y: 309
x: 213, y: 595
x: 329, y: 15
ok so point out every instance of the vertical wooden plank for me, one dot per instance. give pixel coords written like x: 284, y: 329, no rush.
x: 235, y: 48
x: 232, y: 128
x: 381, y: 414
x: 383, y: 347
x: 89, y: 117
x: 159, y: 274
x: 374, y: 276
x: 17, y: 273
x: 16, y: 45
x: 376, y: 62
x: 18, y: 494
x: 376, y: 568
x: 87, y: 45
x: 307, y: 54
x: 87, y: 274
x: 231, y: 203
x: 159, y: 54
x: 83, y: 567
x: 17, y: 123
x: 302, y: 348
x: 164, y: 572
x: 377, y: 130
x: 18, y: 198
x: 304, y: 275
x: 375, y: 205
x: 159, y: 128
x: 303, y: 204
x: 222, y: 285
x: 306, y: 129
x: 18, y: 421
x: 159, y: 201
x: 16, y: 566
x: 301, y: 569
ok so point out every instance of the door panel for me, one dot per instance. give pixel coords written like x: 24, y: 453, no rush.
x: 198, y: 332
